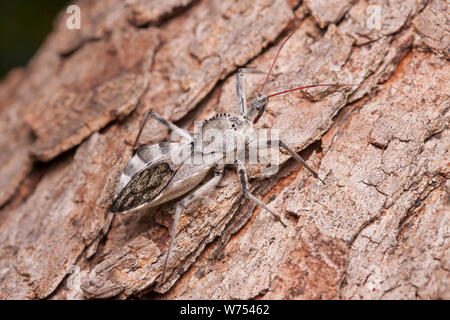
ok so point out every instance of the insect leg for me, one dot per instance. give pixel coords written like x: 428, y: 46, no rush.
x: 240, y: 92
x: 244, y: 183
x: 296, y: 157
x: 185, y: 134
x: 218, y: 173
x: 240, y: 89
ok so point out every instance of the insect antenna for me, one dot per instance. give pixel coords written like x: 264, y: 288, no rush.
x: 309, y: 86
x: 278, y: 53
x: 333, y: 85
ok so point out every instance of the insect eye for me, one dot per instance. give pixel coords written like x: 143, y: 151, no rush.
x: 259, y: 104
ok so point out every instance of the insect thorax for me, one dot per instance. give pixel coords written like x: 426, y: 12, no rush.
x: 223, y: 133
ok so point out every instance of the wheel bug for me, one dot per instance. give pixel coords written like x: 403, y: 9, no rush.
x: 152, y: 177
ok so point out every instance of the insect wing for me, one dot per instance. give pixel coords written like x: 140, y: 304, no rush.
x: 143, y: 187
x: 147, y: 155
x: 146, y: 175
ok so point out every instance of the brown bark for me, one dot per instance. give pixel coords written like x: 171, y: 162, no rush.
x: 378, y: 229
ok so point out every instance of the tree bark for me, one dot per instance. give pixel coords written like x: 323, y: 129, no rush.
x: 379, y: 228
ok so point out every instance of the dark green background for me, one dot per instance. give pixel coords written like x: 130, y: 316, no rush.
x: 23, y: 27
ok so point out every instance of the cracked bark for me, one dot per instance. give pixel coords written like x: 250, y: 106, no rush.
x: 378, y: 229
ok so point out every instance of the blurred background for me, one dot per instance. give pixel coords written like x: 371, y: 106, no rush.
x: 24, y: 25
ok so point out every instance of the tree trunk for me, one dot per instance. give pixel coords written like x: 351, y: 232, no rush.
x: 379, y: 228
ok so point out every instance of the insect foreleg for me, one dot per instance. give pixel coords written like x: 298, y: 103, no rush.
x: 244, y: 186
x: 240, y: 93
x: 185, y: 134
x: 295, y: 155
x: 240, y: 90
x: 218, y: 173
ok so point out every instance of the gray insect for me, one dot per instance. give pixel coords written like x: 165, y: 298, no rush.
x: 152, y: 177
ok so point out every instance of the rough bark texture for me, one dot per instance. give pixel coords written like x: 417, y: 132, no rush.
x: 379, y: 228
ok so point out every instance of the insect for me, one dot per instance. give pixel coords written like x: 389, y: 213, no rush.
x: 153, y: 177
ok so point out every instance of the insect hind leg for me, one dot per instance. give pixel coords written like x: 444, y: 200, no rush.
x: 218, y: 173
